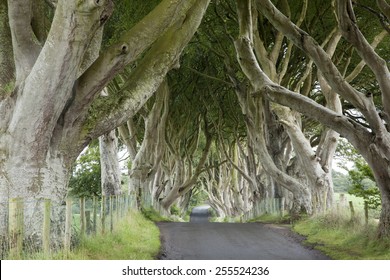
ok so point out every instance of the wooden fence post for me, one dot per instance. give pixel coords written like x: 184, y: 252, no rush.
x: 342, y: 201
x: 82, y: 216
x: 46, y: 227
x: 103, y: 214
x: 68, y: 225
x: 352, y: 209
x: 16, y: 224
x: 88, y: 222
x: 94, y: 215
x: 117, y: 208
x: 111, y: 215
x: 122, y: 204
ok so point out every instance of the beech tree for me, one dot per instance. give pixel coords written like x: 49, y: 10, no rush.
x: 371, y: 136
x: 50, y: 106
x: 145, y: 161
x: 278, y: 132
x: 110, y: 173
x: 284, y: 162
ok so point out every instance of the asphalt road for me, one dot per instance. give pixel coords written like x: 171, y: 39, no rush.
x: 202, y: 240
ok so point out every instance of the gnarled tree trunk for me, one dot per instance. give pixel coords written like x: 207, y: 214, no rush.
x: 111, y: 175
x: 372, y: 143
x: 54, y: 109
x: 146, y: 163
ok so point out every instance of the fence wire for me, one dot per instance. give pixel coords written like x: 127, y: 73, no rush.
x: 40, y: 225
x: 273, y: 206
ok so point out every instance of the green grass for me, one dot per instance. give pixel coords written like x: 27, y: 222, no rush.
x: 271, y: 218
x: 152, y: 215
x: 134, y: 238
x: 358, y: 202
x: 343, y: 238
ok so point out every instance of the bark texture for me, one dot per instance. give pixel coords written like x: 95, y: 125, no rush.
x: 146, y: 163
x: 111, y: 176
x: 54, y: 108
x: 373, y: 143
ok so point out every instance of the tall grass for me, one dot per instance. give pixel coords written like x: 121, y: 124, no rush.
x: 134, y: 238
x: 342, y: 236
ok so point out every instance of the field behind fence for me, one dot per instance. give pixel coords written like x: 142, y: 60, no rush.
x: 81, y: 217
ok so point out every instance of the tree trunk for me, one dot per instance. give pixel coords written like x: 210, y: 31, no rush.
x: 253, y: 109
x: 214, y: 195
x: 380, y: 166
x: 237, y: 195
x: 183, y: 186
x: 23, y: 177
x: 47, y: 117
x: 33, y: 161
x: 111, y: 175
x: 147, y: 160
x: 310, y: 176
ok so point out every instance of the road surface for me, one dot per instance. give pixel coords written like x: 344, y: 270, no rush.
x: 202, y: 240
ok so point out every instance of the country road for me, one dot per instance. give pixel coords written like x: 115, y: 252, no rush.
x: 202, y: 240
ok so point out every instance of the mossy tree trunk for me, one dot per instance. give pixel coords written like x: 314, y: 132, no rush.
x: 110, y: 170
x: 371, y: 140
x: 54, y: 109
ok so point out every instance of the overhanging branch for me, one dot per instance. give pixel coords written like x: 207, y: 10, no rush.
x: 302, y: 40
x: 127, y: 50
x: 354, y: 36
x: 148, y: 75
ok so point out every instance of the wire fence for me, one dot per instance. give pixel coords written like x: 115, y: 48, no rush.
x: 343, y: 205
x: 40, y: 225
x: 273, y: 206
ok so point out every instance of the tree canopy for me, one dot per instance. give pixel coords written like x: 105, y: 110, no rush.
x: 244, y: 99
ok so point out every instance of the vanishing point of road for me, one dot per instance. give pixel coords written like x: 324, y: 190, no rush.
x: 202, y: 240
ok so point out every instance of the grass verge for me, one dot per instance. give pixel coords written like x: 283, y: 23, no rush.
x: 134, y: 238
x: 152, y: 215
x: 343, y: 238
x: 272, y: 219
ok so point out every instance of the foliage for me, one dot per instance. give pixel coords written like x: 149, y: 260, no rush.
x: 341, y: 183
x: 86, y: 175
x: 126, y: 14
x: 8, y: 88
x: 175, y: 210
x: 361, y: 178
x: 363, y: 184
x: 346, y: 153
x: 199, y: 196
x: 152, y: 215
